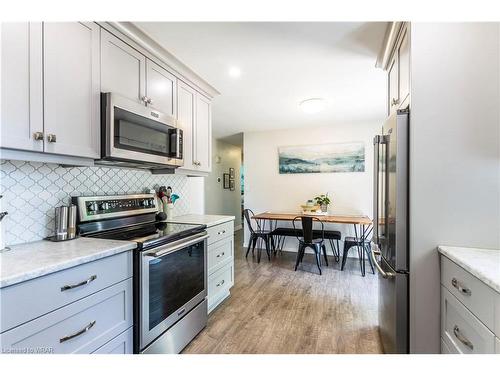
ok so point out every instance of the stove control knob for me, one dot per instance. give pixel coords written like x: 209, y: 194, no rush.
x: 92, y: 206
x: 102, y: 206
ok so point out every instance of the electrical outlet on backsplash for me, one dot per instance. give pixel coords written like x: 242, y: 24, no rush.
x: 32, y: 190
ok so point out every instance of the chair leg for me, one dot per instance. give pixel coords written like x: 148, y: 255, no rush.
x: 259, y: 252
x: 273, y: 245
x: 367, y: 250
x: 323, y: 246
x: 337, y: 255
x: 299, y: 252
x: 361, y: 260
x: 268, y: 250
x: 249, y: 246
x: 344, y: 257
x: 317, y: 252
x: 254, y: 243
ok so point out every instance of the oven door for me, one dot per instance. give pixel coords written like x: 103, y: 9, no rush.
x: 173, y: 280
x: 134, y: 132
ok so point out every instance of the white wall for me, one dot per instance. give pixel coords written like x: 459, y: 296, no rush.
x: 267, y: 190
x: 454, y: 158
x: 220, y: 201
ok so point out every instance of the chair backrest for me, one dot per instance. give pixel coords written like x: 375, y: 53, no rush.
x: 248, y: 213
x: 307, y: 227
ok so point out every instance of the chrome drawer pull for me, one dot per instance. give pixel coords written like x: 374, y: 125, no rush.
x: 82, y: 331
x: 221, y: 283
x: 220, y: 255
x: 222, y: 232
x: 85, y: 282
x: 462, y: 338
x: 460, y: 288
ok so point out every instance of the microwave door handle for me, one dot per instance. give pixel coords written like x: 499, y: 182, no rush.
x: 376, y: 143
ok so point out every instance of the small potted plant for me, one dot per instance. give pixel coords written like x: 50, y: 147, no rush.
x: 323, y: 200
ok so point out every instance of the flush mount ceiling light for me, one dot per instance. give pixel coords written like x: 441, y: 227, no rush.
x: 313, y: 105
x: 234, y: 72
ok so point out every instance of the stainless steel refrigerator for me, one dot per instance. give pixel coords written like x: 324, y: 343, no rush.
x: 389, y: 250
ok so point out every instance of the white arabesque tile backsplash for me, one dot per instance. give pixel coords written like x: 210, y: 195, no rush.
x: 31, y: 191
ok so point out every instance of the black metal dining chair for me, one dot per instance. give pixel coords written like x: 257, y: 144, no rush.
x: 363, y: 246
x: 308, y: 240
x: 257, y: 233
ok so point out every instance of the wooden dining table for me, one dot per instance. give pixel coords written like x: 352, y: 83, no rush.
x: 363, y: 221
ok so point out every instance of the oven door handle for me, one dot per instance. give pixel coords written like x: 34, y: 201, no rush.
x: 175, y: 246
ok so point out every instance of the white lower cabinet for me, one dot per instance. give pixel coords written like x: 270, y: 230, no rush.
x: 121, y: 344
x: 92, y: 316
x: 220, y: 263
x: 467, y: 312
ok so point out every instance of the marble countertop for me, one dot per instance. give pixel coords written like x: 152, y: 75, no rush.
x: 208, y: 220
x: 482, y: 263
x: 34, y: 259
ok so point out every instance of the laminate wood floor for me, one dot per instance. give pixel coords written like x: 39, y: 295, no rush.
x: 274, y: 310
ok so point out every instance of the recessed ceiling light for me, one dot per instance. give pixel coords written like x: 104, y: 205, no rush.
x: 234, y: 72
x: 313, y: 105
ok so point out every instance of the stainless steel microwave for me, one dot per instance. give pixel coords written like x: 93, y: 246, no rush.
x: 134, y: 135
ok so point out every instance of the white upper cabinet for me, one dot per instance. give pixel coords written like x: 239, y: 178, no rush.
x: 186, y: 98
x: 194, y: 116
x: 394, y: 85
x: 404, y: 68
x: 21, y: 86
x: 123, y: 69
x: 203, y: 134
x: 72, y: 88
x: 161, y: 89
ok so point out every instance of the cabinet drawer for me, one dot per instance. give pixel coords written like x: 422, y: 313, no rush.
x: 31, y: 299
x: 80, y: 327
x: 121, y: 344
x: 220, y: 252
x: 461, y: 330
x: 218, y: 232
x: 220, y: 281
x: 472, y: 292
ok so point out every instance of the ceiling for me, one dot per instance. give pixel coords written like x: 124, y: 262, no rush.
x: 281, y: 65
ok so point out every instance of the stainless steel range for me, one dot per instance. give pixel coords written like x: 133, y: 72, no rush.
x: 170, y: 267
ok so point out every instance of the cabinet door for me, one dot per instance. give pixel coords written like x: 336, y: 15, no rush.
x: 203, y: 134
x: 404, y: 68
x: 72, y: 88
x: 161, y: 89
x: 21, y: 92
x: 393, y: 85
x: 186, y: 98
x: 123, y: 69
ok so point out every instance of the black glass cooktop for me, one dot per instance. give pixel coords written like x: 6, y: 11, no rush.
x: 151, y: 234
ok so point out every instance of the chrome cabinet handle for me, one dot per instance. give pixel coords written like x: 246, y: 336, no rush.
x: 220, y: 255
x: 76, y: 334
x: 145, y: 99
x: 394, y: 102
x: 222, y: 232
x: 221, y: 283
x: 38, y: 136
x: 52, y: 138
x: 461, y: 288
x: 85, y: 282
x: 196, y: 163
x: 384, y: 274
x: 464, y: 340
x: 150, y: 101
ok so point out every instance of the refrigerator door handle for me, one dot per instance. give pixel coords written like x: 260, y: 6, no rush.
x: 385, y: 274
x: 376, y: 143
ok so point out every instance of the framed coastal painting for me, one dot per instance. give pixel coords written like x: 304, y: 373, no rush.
x: 324, y: 158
